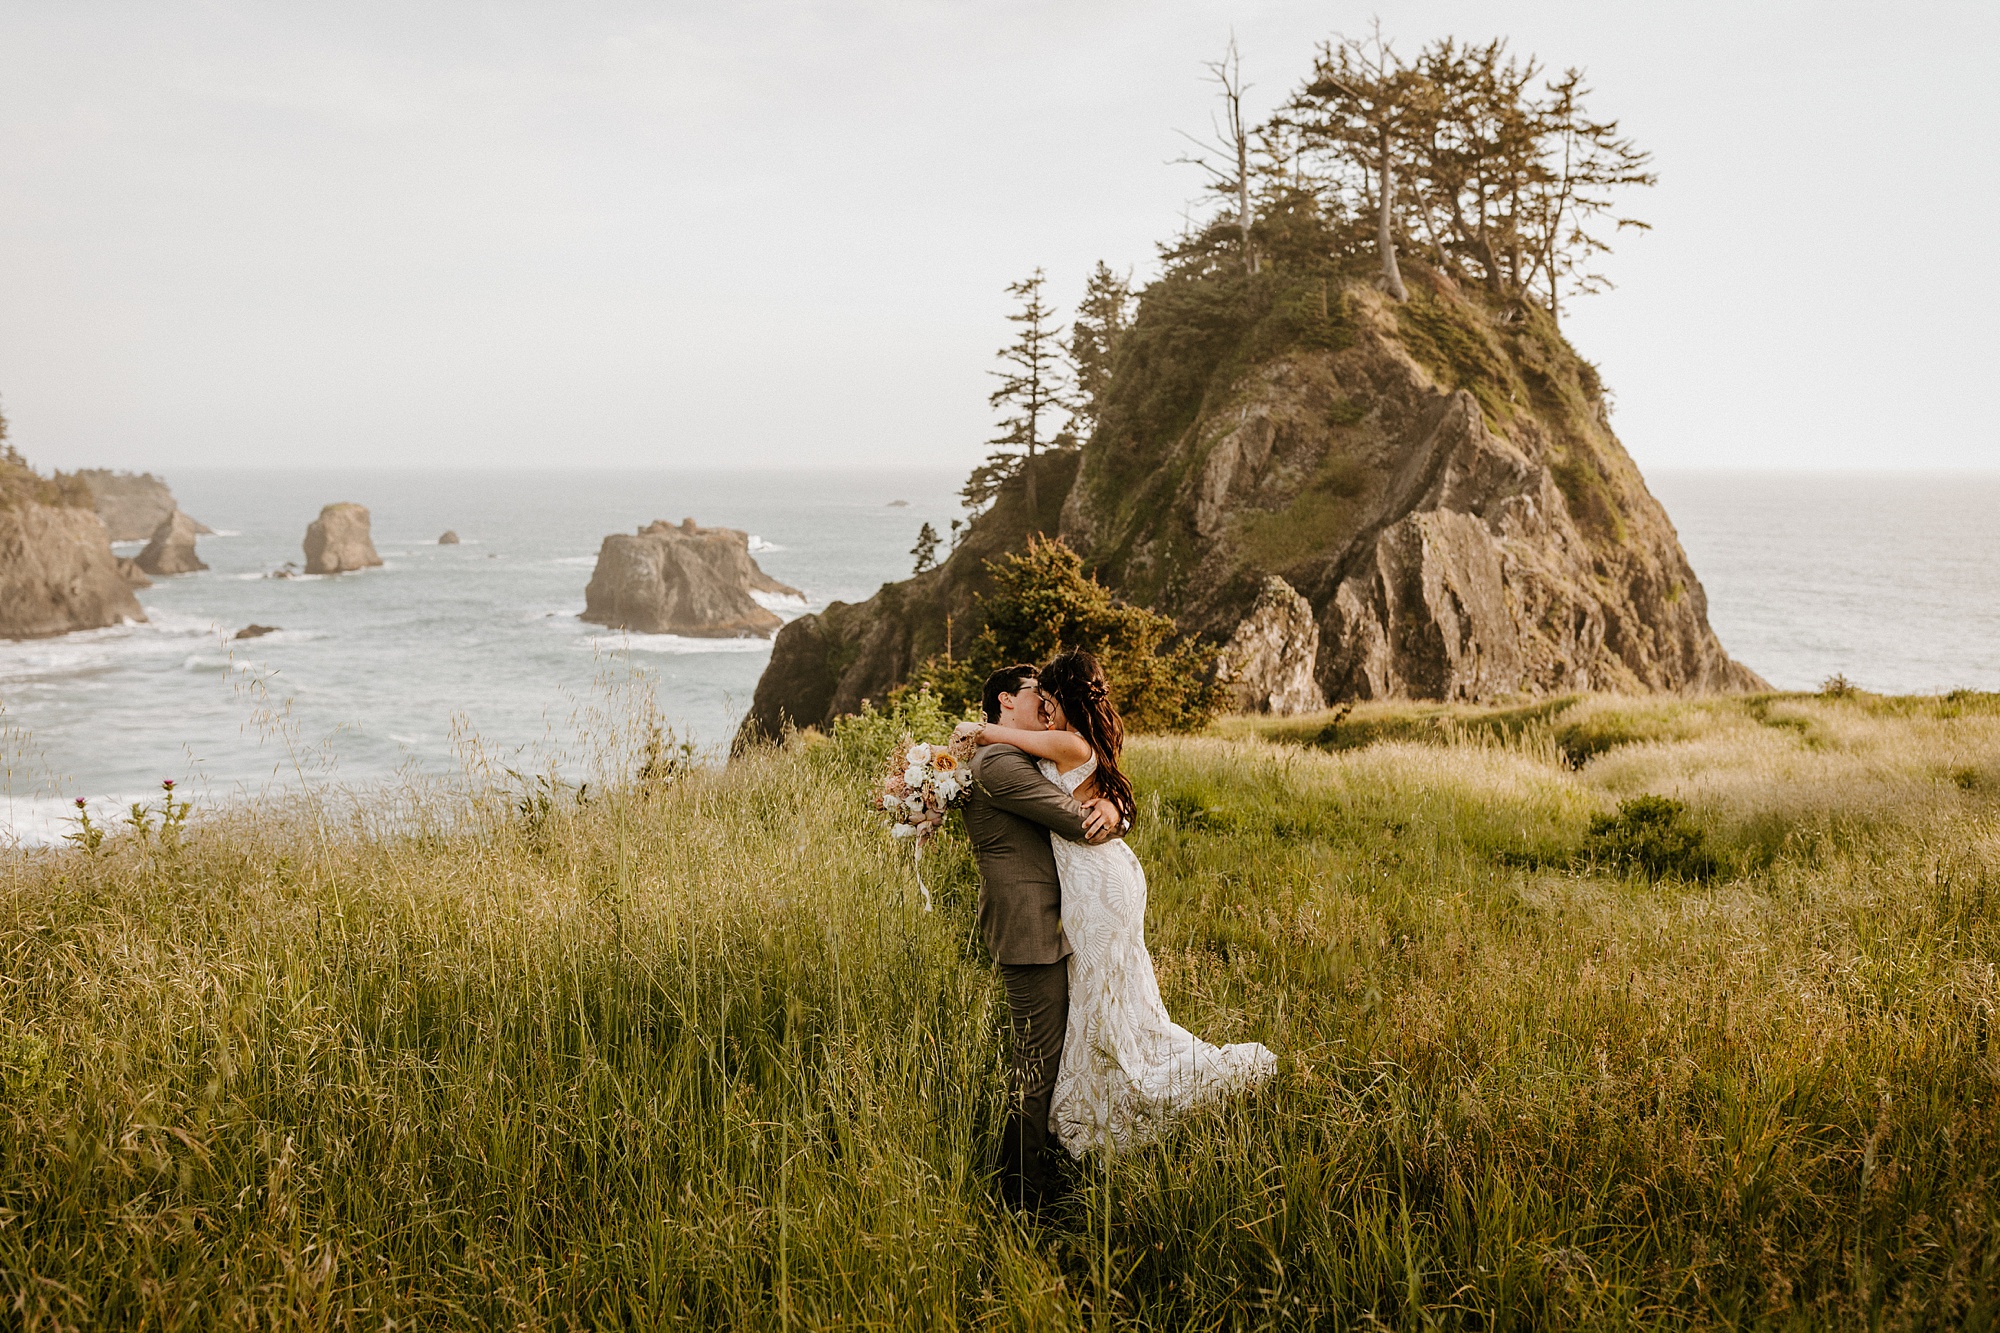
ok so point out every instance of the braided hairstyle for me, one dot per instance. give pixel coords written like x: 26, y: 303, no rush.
x: 1076, y: 682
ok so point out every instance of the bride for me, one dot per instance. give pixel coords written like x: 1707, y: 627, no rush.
x: 1126, y: 1066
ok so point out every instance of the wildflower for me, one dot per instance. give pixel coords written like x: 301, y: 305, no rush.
x: 79, y: 803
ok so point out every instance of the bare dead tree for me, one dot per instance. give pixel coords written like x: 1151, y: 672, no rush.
x: 1231, y: 143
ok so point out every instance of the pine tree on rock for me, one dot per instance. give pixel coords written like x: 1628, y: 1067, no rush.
x: 926, y: 549
x: 1033, y: 390
x: 1102, y: 317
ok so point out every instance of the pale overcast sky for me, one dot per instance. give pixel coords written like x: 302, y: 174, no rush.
x: 777, y: 234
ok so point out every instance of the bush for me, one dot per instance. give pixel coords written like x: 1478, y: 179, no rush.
x: 859, y: 742
x: 1652, y: 836
x: 1043, y: 604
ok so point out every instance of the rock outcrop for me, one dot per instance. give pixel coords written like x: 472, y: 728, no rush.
x: 1348, y: 497
x: 337, y: 542
x: 449, y: 538
x: 57, y: 572
x: 686, y: 580
x: 132, y: 505
x: 1444, y: 491
x: 1270, y: 659
x: 171, y: 551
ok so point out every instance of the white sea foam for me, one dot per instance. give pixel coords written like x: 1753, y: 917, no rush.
x: 778, y: 603
x: 758, y: 545
x: 672, y: 644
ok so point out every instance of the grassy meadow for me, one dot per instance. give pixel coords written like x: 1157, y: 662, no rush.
x: 682, y: 1050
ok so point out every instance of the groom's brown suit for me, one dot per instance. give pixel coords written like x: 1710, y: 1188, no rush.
x: 1010, y: 815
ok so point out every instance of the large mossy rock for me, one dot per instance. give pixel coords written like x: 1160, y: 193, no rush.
x: 1438, y: 480
x: 686, y: 580
x: 1347, y: 496
x: 338, y: 541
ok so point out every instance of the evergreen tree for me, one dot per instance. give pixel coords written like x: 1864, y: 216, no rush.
x: 1032, y: 390
x: 926, y: 549
x: 1102, y: 317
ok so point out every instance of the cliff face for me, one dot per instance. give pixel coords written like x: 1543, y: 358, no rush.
x: 1439, y: 481
x: 132, y: 505
x: 1351, y: 498
x: 57, y: 573
x: 687, y: 580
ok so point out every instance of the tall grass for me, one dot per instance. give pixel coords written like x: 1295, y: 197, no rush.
x: 685, y: 1051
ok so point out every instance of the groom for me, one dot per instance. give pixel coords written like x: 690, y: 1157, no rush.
x: 1010, y: 815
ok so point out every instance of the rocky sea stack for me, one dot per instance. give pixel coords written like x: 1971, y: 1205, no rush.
x: 171, y: 551
x: 57, y: 572
x: 132, y: 504
x: 687, y: 580
x: 337, y: 542
x: 1347, y: 496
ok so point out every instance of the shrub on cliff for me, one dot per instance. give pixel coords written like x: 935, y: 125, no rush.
x: 1042, y: 604
x: 21, y: 484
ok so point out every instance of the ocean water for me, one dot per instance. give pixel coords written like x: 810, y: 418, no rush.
x: 381, y: 669
x: 1892, y: 580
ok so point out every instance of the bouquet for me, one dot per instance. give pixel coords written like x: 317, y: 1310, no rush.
x: 921, y: 783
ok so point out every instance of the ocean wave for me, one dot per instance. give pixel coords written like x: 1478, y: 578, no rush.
x: 87, y: 652
x: 580, y: 561
x: 779, y: 603
x: 758, y: 545
x: 671, y: 644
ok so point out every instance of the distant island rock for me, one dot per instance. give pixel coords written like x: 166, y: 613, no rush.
x: 686, y: 580
x: 337, y: 542
x: 450, y: 538
x: 254, y: 631
x: 57, y: 572
x: 132, y: 504
x: 899, y: 504
x: 171, y: 551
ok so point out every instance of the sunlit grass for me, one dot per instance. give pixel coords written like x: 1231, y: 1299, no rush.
x: 688, y: 1053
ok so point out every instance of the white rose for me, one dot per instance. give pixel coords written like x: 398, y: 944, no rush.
x: 919, y: 755
x: 946, y: 789
x: 913, y: 776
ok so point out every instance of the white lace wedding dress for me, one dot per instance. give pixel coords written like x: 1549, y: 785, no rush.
x: 1127, y: 1068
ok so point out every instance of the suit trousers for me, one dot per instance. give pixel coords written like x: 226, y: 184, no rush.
x: 1038, y: 1014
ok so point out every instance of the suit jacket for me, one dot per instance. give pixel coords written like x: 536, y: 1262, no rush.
x: 1010, y: 815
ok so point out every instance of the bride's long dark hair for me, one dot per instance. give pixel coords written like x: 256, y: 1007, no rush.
x: 1076, y: 682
